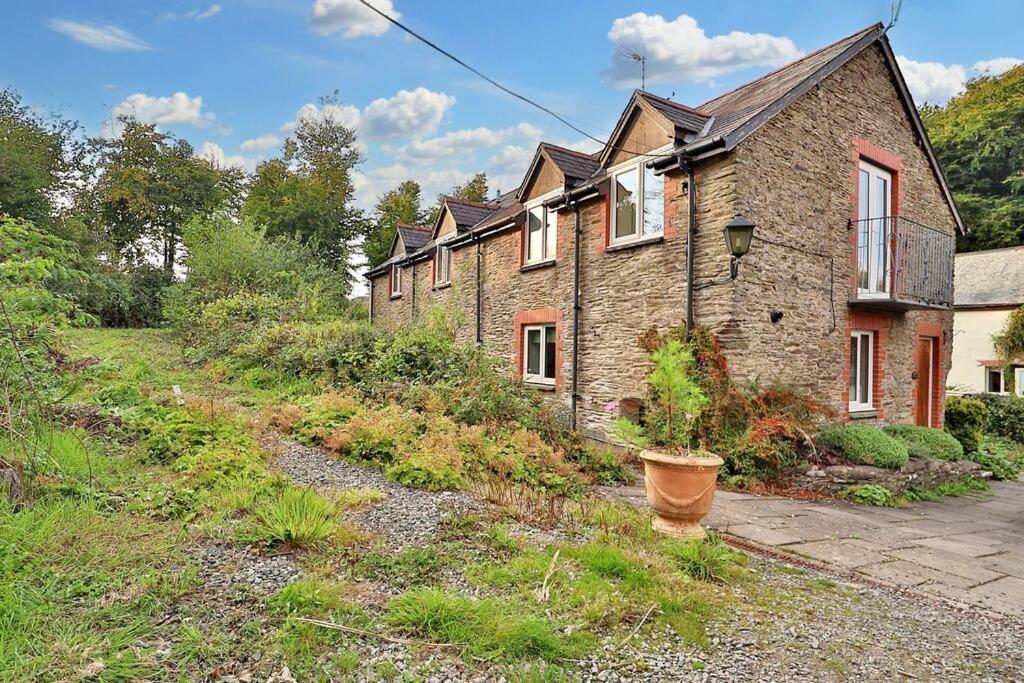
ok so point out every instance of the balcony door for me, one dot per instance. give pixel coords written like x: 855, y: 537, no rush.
x: 874, y: 208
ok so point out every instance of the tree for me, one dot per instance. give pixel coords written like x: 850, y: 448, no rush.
x: 308, y: 192
x: 978, y: 137
x: 400, y: 205
x: 41, y: 159
x: 149, y: 186
x: 473, y: 190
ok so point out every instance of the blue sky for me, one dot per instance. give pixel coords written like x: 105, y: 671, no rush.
x: 231, y: 76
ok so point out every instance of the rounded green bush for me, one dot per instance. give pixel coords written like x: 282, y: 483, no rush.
x: 925, y: 442
x: 865, y: 445
x: 965, y: 420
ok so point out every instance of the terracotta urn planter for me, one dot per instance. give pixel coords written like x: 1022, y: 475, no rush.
x: 680, y: 490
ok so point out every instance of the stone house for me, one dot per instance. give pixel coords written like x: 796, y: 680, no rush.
x: 989, y: 286
x: 846, y: 291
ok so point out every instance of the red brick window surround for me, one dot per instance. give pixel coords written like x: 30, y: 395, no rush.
x: 537, y: 317
x: 877, y: 327
x: 887, y: 161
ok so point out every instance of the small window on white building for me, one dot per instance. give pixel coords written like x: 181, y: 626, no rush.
x: 861, y: 370
x: 994, y: 381
x: 396, y: 280
x: 443, y: 272
x: 541, y: 234
x: 539, y: 362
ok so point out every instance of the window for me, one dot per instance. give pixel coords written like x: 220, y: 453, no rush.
x: 994, y: 380
x: 874, y: 196
x: 1018, y: 381
x: 638, y: 198
x: 861, y: 370
x: 443, y: 265
x: 396, y: 280
x: 541, y: 234
x: 539, y: 363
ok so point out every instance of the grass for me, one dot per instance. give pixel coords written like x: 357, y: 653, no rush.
x: 965, y: 487
x: 704, y: 559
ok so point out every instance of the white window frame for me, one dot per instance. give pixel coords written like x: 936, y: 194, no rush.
x: 1018, y: 381
x: 528, y: 377
x: 443, y: 257
x: 635, y: 164
x: 1002, y: 380
x: 396, y: 280
x: 855, y: 388
x: 548, y: 222
x: 876, y: 222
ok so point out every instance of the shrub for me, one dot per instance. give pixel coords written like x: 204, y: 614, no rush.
x: 873, y: 494
x: 704, y: 559
x: 122, y: 394
x: 1000, y: 456
x: 296, y: 517
x: 927, y: 442
x: 965, y: 420
x: 865, y: 445
x: 1005, y: 416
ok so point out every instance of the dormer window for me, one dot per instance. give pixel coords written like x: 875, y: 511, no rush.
x: 541, y: 234
x: 396, y: 280
x: 443, y: 265
x: 638, y: 204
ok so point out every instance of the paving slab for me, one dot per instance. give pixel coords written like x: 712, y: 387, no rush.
x: 849, y: 553
x: 947, y: 562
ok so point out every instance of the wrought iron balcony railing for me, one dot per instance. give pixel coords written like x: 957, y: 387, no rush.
x: 903, y: 264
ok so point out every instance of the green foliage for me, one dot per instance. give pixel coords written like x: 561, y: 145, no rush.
x: 306, y: 195
x: 1005, y: 416
x: 865, y: 445
x: 873, y: 494
x: 965, y: 420
x: 966, y: 487
x: 978, y: 139
x: 675, y: 401
x: 400, y: 205
x: 411, y: 567
x: 491, y: 629
x: 704, y: 559
x: 926, y: 442
x: 120, y: 395
x: 306, y: 596
x: 296, y: 518
x: 1002, y: 457
x: 1009, y: 343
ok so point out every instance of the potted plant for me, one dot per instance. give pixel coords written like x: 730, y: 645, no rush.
x: 679, y: 478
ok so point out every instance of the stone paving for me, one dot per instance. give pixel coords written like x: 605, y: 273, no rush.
x: 969, y: 550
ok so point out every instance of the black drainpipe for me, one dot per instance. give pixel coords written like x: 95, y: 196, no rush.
x: 574, y: 205
x: 686, y: 164
x: 479, y: 323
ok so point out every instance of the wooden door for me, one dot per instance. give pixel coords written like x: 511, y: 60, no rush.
x: 925, y: 379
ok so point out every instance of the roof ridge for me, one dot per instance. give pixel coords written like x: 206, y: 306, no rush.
x: 578, y: 153
x: 458, y: 200
x: 410, y: 226
x: 677, y: 105
x: 980, y: 252
x: 792, y: 63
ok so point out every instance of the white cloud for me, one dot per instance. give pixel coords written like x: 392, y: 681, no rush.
x: 468, y: 140
x: 345, y: 114
x: 214, y: 153
x: 193, y: 15
x: 932, y: 81
x: 100, y: 36
x: 679, y: 50
x: 409, y: 113
x: 351, y: 18
x: 179, y: 108
x: 997, y: 66
x: 372, y: 183
x: 268, y: 141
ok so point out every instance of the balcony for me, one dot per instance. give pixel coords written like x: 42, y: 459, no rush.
x: 903, y: 265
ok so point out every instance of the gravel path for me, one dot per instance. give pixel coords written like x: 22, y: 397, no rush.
x: 407, y: 517
x: 787, y: 625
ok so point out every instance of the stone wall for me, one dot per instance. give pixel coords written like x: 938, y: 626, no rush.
x: 795, y: 178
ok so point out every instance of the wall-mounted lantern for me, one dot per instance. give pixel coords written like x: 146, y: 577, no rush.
x: 738, y: 234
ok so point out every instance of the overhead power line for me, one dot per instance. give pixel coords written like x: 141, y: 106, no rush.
x: 496, y: 84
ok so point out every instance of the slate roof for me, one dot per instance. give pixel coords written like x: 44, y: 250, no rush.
x: 508, y: 209
x: 733, y: 109
x: 467, y: 214
x: 680, y: 115
x: 989, y: 278
x: 573, y: 165
x: 413, y: 236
